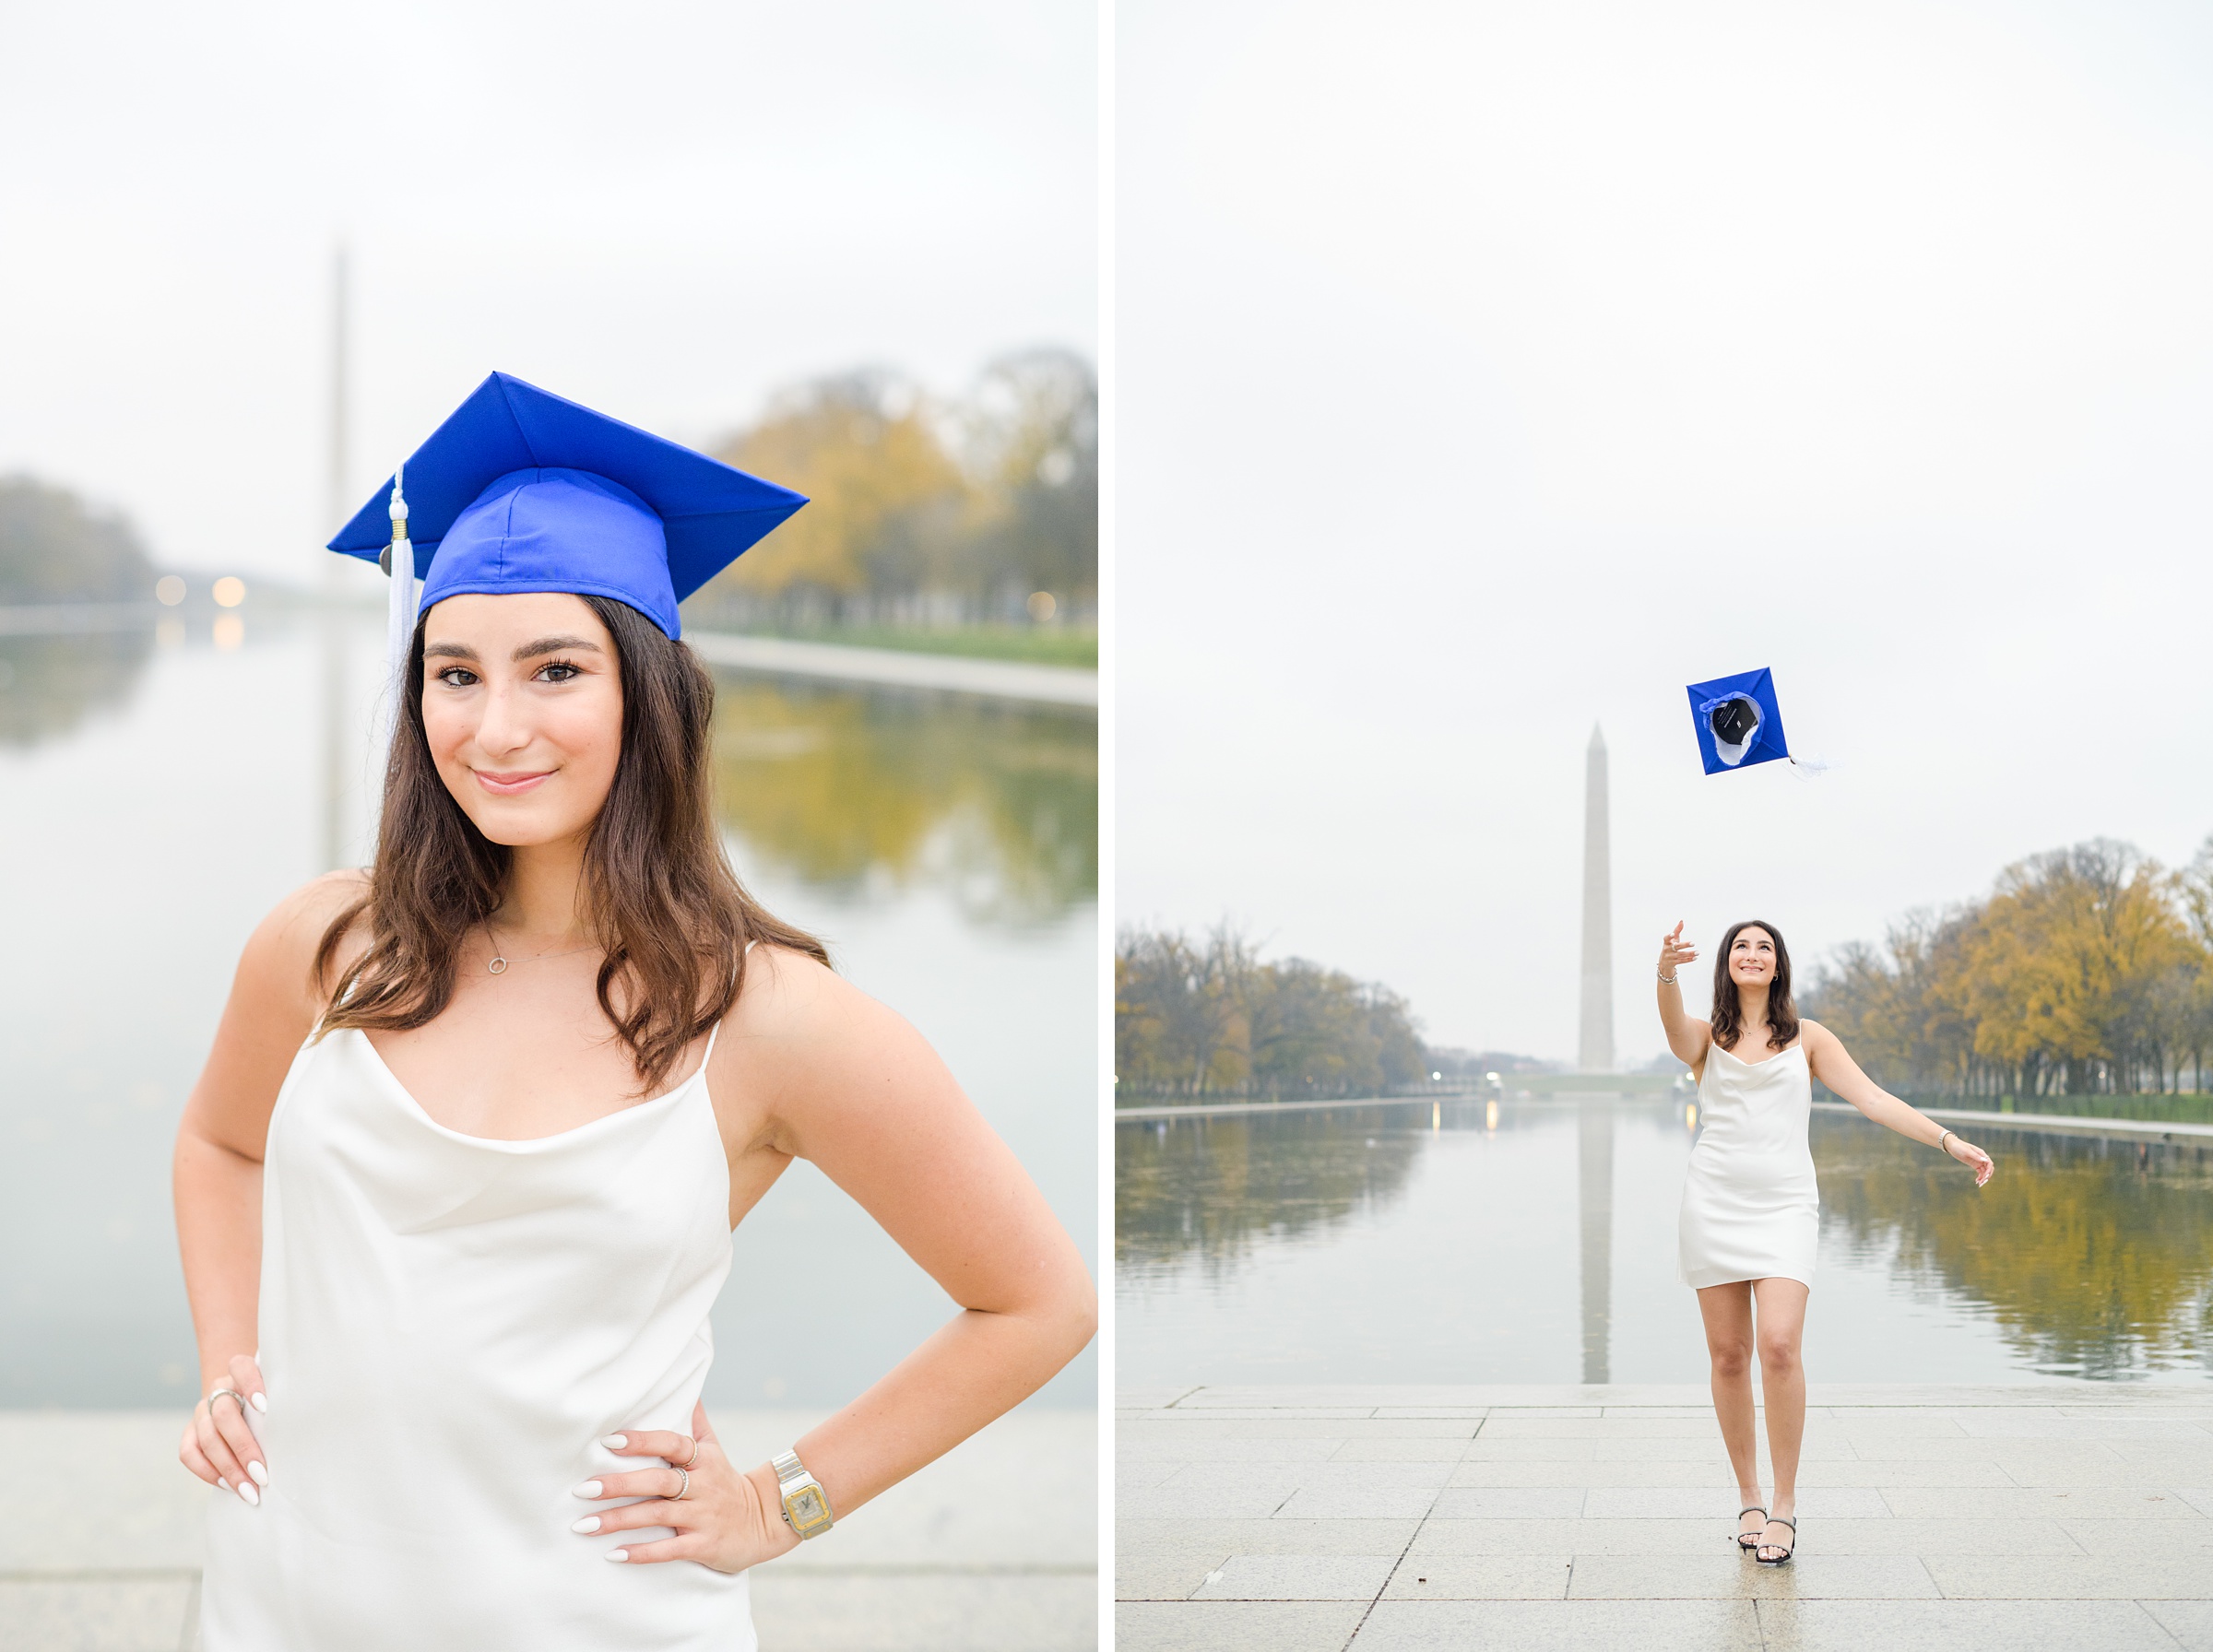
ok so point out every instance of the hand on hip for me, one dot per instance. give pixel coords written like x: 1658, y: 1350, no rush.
x: 722, y: 1518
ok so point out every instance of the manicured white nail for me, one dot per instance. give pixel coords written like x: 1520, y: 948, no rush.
x: 614, y: 1442
x: 222, y: 1483
x: 259, y: 1471
x: 589, y: 1523
x: 260, y: 1404
x: 251, y: 1495
x: 590, y: 1488
x: 618, y: 1555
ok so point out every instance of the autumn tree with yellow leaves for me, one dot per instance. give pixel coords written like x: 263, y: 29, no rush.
x: 924, y: 512
x: 2085, y: 971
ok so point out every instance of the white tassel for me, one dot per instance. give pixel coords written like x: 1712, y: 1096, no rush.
x: 1810, y: 768
x: 399, y: 625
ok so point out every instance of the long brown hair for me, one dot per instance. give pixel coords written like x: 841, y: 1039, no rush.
x: 1729, y: 1014
x: 658, y: 893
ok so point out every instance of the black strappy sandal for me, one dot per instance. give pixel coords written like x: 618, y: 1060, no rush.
x: 1784, y: 1558
x: 1742, y: 1534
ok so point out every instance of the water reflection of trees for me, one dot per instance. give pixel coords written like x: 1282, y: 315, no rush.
x: 51, y: 684
x: 842, y: 787
x: 1214, y: 1189
x: 2095, y: 1256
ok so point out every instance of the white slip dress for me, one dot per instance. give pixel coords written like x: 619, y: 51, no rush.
x: 448, y: 1324
x: 1751, y: 1207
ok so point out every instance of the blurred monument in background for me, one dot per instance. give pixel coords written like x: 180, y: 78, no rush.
x: 1594, y: 1046
x: 1594, y: 1054
x: 330, y: 572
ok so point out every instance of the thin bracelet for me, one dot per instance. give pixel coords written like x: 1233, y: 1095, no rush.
x: 1941, y: 1141
x: 1667, y: 979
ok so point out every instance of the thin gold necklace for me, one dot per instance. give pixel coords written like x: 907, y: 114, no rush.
x: 500, y: 961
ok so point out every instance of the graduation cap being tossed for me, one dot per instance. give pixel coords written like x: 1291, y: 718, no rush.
x: 1739, y: 721
x: 520, y: 489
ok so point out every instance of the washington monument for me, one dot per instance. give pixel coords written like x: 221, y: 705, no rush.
x: 1594, y: 1046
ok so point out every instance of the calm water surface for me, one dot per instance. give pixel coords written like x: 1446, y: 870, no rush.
x: 1538, y: 1244
x: 161, y: 793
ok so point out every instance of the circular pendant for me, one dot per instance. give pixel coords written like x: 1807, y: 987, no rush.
x: 498, y: 966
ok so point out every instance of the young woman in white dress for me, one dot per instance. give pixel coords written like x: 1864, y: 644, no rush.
x: 455, y: 1188
x: 1750, y: 1214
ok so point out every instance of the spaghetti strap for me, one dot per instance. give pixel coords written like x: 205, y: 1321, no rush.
x: 716, y: 1031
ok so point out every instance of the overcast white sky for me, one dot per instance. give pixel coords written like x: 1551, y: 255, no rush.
x: 664, y: 210
x: 1488, y: 371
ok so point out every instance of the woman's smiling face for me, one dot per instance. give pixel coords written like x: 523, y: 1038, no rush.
x: 1752, y: 957
x: 522, y: 705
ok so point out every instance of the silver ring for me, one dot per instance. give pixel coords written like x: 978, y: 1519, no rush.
x: 219, y: 1393
x: 690, y: 1460
x: 686, y: 1490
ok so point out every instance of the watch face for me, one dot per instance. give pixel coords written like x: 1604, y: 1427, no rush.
x: 806, y: 1506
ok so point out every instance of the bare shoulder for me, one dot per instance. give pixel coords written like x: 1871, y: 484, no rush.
x: 280, y: 953
x: 802, y: 1037
x: 301, y: 918
x: 1825, y: 1052
x: 786, y: 994
x: 274, y: 1005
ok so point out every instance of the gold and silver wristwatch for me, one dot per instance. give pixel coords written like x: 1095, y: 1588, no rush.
x: 806, y: 1504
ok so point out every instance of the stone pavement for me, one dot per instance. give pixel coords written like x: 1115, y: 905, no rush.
x: 103, y: 1554
x: 2073, y: 1517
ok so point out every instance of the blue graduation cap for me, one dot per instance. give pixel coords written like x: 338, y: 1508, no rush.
x: 1738, y: 721
x: 520, y: 489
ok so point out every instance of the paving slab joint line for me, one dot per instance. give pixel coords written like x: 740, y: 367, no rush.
x: 1937, y: 1584
x: 2169, y: 1637
x: 1384, y: 1587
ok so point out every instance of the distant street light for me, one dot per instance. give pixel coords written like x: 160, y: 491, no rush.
x: 168, y: 590
x: 228, y: 591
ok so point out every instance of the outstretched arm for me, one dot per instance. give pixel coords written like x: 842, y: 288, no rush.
x: 1825, y: 1054
x: 1689, y: 1038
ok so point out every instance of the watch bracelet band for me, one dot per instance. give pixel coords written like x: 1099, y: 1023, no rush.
x: 793, y: 1480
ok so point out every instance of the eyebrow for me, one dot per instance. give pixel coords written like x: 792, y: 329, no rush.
x: 560, y: 644
x: 530, y: 650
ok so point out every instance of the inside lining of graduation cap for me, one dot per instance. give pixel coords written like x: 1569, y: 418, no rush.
x: 1733, y: 720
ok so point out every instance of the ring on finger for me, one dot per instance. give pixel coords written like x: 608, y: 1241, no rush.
x: 234, y: 1393
x: 685, y: 1490
x: 690, y: 1460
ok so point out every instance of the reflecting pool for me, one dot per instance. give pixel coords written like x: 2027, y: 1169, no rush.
x: 1534, y: 1241
x: 161, y: 791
